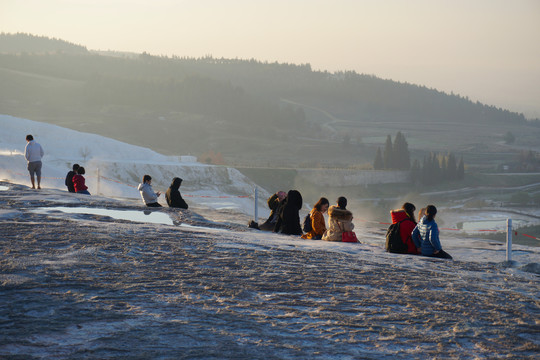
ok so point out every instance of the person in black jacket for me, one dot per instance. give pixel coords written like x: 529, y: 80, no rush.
x: 173, y: 197
x: 289, y: 217
x: 69, y: 178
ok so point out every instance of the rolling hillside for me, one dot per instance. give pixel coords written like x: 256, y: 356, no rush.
x: 253, y: 113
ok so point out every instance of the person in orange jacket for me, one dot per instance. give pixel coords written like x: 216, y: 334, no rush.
x: 318, y: 225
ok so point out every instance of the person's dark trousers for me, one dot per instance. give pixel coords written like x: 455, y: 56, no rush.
x: 154, y: 205
x: 442, y: 255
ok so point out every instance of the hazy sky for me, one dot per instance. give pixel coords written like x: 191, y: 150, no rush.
x: 488, y: 50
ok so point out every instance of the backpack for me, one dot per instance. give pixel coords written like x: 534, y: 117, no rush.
x: 393, y: 240
x: 307, y: 223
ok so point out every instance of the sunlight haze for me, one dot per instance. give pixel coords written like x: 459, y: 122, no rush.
x: 487, y: 50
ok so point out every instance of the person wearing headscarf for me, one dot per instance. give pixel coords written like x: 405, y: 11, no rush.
x: 289, y: 217
x: 173, y: 197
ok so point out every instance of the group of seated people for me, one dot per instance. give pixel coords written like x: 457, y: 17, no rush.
x: 285, y: 217
x: 75, y: 181
x: 420, y: 238
x: 172, y: 196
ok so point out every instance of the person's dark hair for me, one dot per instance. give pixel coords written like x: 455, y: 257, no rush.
x: 29, y: 137
x: 409, y: 209
x: 75, y: 167
x: 342, y: 202
x: 322, y: 201
x: 294, y: 199
x: 431, y: 210
x: 176, y: 182
x: 80, y: 170
x: 146, y: 178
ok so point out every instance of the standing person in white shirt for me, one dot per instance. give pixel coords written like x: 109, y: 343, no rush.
x: 33, y: 154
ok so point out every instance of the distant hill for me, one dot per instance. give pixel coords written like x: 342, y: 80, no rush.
x: 20, y: 42
x: 254, y: 113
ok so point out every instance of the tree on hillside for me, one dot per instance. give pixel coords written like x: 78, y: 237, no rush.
x: 461, y: 170
x: 436, y: 169
x: 388, y: 154
x: 415, y: 172
x: 211, y: 157
x: 451, y: 167
x: 509, y: 138
x: 85, y: 152
x: 378, y: 164
x: 401, y: 156
x: 395, y: 156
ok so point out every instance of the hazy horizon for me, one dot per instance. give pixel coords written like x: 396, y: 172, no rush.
x: 486, y: 50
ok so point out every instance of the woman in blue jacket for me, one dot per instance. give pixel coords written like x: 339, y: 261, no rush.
x: 426, y: 235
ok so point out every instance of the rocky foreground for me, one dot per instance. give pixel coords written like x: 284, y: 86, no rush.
x: 87, y: 286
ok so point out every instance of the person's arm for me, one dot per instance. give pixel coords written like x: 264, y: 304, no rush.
x: 27, y: 152
x: 277, y: 227
x: 151, y: 194
x: 434, y: 238
x: 416, y: 238
x: 41, y: 150
x: 317, y: 223
x: 272, y: 202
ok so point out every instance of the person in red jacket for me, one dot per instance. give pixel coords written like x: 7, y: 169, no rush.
x: 79, y: 182
x: 405, y: 215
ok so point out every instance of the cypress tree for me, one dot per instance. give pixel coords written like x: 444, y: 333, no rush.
x: 416, y: 172
x: 435, y: 169
x: 401, y: 154
x: 388, y: 154
x: 451, y: 167
x: 378, y: 164
x: 461, y: 170
x: 444, y: 167
x: 426, y: 174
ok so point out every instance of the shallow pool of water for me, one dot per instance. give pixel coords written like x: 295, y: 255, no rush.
x: 499, y: 225
x: 146, y: 216
x: 3, y: 188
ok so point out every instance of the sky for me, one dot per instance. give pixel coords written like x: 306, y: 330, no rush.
x: 486, y: 50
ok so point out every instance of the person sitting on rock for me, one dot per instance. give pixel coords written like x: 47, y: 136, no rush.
x: 426, y: 235
x: 318, y: 226
x: 275, y: 203
x: 339, y: 221
x: 173, y: 197
x: 69, y: 178
x: 149, y: 197
x: 79, y: 182
x: 407, y: 223
x: 289, y: 218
